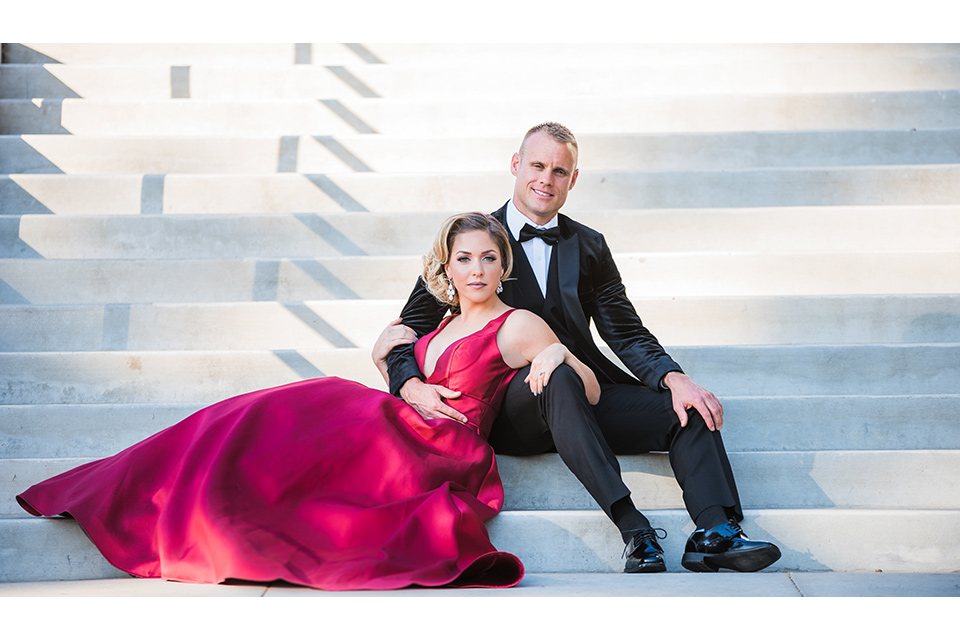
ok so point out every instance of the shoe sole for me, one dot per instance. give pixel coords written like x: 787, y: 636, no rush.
x: 645, y: 568
x: 742, y: 562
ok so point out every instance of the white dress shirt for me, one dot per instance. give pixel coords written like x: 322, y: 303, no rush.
x: 538, y: 252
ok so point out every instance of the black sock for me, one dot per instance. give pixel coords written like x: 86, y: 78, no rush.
x: 627, y: 518
x: 711, y: 517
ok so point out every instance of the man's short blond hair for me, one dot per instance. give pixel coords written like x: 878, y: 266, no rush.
x: 556, y: 131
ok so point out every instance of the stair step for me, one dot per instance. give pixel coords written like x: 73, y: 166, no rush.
x: 810, y: 539
x: 40, y: 549
x: 206, y: 376
x: 499, y: 116
x: 258, y: 54
x: 604, y: 190
x: 338, y: 323
x: 232, y: 217
x: 751, y: 423
x: 60, y: 153
x: 26, y: 281
x: 307, y: 235
x: 456, y: 54
x: 326, y: 79
x: 768, y: 480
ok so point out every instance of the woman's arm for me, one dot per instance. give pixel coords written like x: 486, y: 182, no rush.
x: 526, y: 339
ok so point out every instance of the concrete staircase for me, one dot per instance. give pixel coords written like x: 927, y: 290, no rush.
x: 182, y: 223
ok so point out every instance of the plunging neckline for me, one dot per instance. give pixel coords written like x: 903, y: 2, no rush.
x: 436, y: 365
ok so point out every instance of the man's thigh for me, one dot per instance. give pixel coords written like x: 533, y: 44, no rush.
x: 519, y: 429
x: 635, y: 418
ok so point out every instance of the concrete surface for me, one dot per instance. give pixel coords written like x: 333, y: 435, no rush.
x: 782, y: 585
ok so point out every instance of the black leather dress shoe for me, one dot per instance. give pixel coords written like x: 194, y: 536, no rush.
x: 643, y: 553
x: 725, y: 547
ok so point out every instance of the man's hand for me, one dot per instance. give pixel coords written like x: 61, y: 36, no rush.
x: 392, y: 336
x: 688, y: 394
x: 428, y: 400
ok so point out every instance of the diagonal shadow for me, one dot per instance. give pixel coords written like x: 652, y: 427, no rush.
x: 16, y: 199
x: 11, y: 244
x: 35, y: 115
x: 9, y: 295
x: 352, y: 81
x: 322, y: 276
x: 352, y: 119
x: 19, y: 156
x: 266, y: 280
x: 15, y: 53
x: 319, y: 325
x: 330, y: 234
x: 298, y: 364
x: 363, y: 53
x: 33, y: 81
x: 334, y: 191
x: 343, y: 154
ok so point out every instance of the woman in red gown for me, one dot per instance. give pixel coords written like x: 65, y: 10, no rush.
x: 327, y: 483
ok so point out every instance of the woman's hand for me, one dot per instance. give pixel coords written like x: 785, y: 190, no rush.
x: 543, y: 365
x: 526, y: 339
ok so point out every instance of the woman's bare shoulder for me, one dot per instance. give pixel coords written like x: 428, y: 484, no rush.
x: 522, y: 326
x: 521, y: 320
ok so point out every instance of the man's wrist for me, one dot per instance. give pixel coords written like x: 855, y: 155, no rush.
x: 668, y: 376
x: 406, y: 383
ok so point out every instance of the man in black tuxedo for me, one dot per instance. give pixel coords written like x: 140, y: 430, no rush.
x: 565, y: 273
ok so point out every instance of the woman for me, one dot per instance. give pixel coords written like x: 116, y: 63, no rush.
x: 325, y: 482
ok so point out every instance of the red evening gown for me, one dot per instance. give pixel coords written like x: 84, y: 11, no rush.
x: 323, y: 482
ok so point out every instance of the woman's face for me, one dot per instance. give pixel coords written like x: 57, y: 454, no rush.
x: 475, y: 266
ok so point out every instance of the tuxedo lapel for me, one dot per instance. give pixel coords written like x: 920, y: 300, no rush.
x: 568, y: 278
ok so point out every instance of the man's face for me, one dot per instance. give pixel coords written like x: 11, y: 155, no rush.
x: 544, y: 175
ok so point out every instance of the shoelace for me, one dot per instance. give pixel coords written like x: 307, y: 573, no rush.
x: 731, y: 529
x: 643, y: 534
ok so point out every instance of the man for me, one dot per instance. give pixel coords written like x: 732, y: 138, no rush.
x: 565, y: 273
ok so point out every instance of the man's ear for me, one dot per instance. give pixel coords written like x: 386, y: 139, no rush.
x: 514, y: 163
x: 573, y: 182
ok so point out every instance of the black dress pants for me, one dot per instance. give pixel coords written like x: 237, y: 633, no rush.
x: 628, y: 419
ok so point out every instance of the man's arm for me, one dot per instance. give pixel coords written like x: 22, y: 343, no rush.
x: 393, y: 335
x: 621, y: 328
x: 423, y: 314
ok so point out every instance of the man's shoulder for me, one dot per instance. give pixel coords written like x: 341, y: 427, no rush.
x: 582, y: 230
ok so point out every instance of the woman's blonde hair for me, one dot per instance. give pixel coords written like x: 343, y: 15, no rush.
x: 434, y: 263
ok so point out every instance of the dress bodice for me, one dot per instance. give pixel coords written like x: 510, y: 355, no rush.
x: 474, y: 366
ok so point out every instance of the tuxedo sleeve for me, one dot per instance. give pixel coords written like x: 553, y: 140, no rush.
x: 620, y: 326
x: 422, y: 313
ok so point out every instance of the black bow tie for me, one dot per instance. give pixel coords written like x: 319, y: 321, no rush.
x: 550, y: 236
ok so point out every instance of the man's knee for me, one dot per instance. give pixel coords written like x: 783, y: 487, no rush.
x: 565, y: 380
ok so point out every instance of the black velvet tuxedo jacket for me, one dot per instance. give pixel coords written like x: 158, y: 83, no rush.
x: 583, y: 284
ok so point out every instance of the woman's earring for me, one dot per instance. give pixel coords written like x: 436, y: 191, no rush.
x: 450, y: 291
x: 500, y: 287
